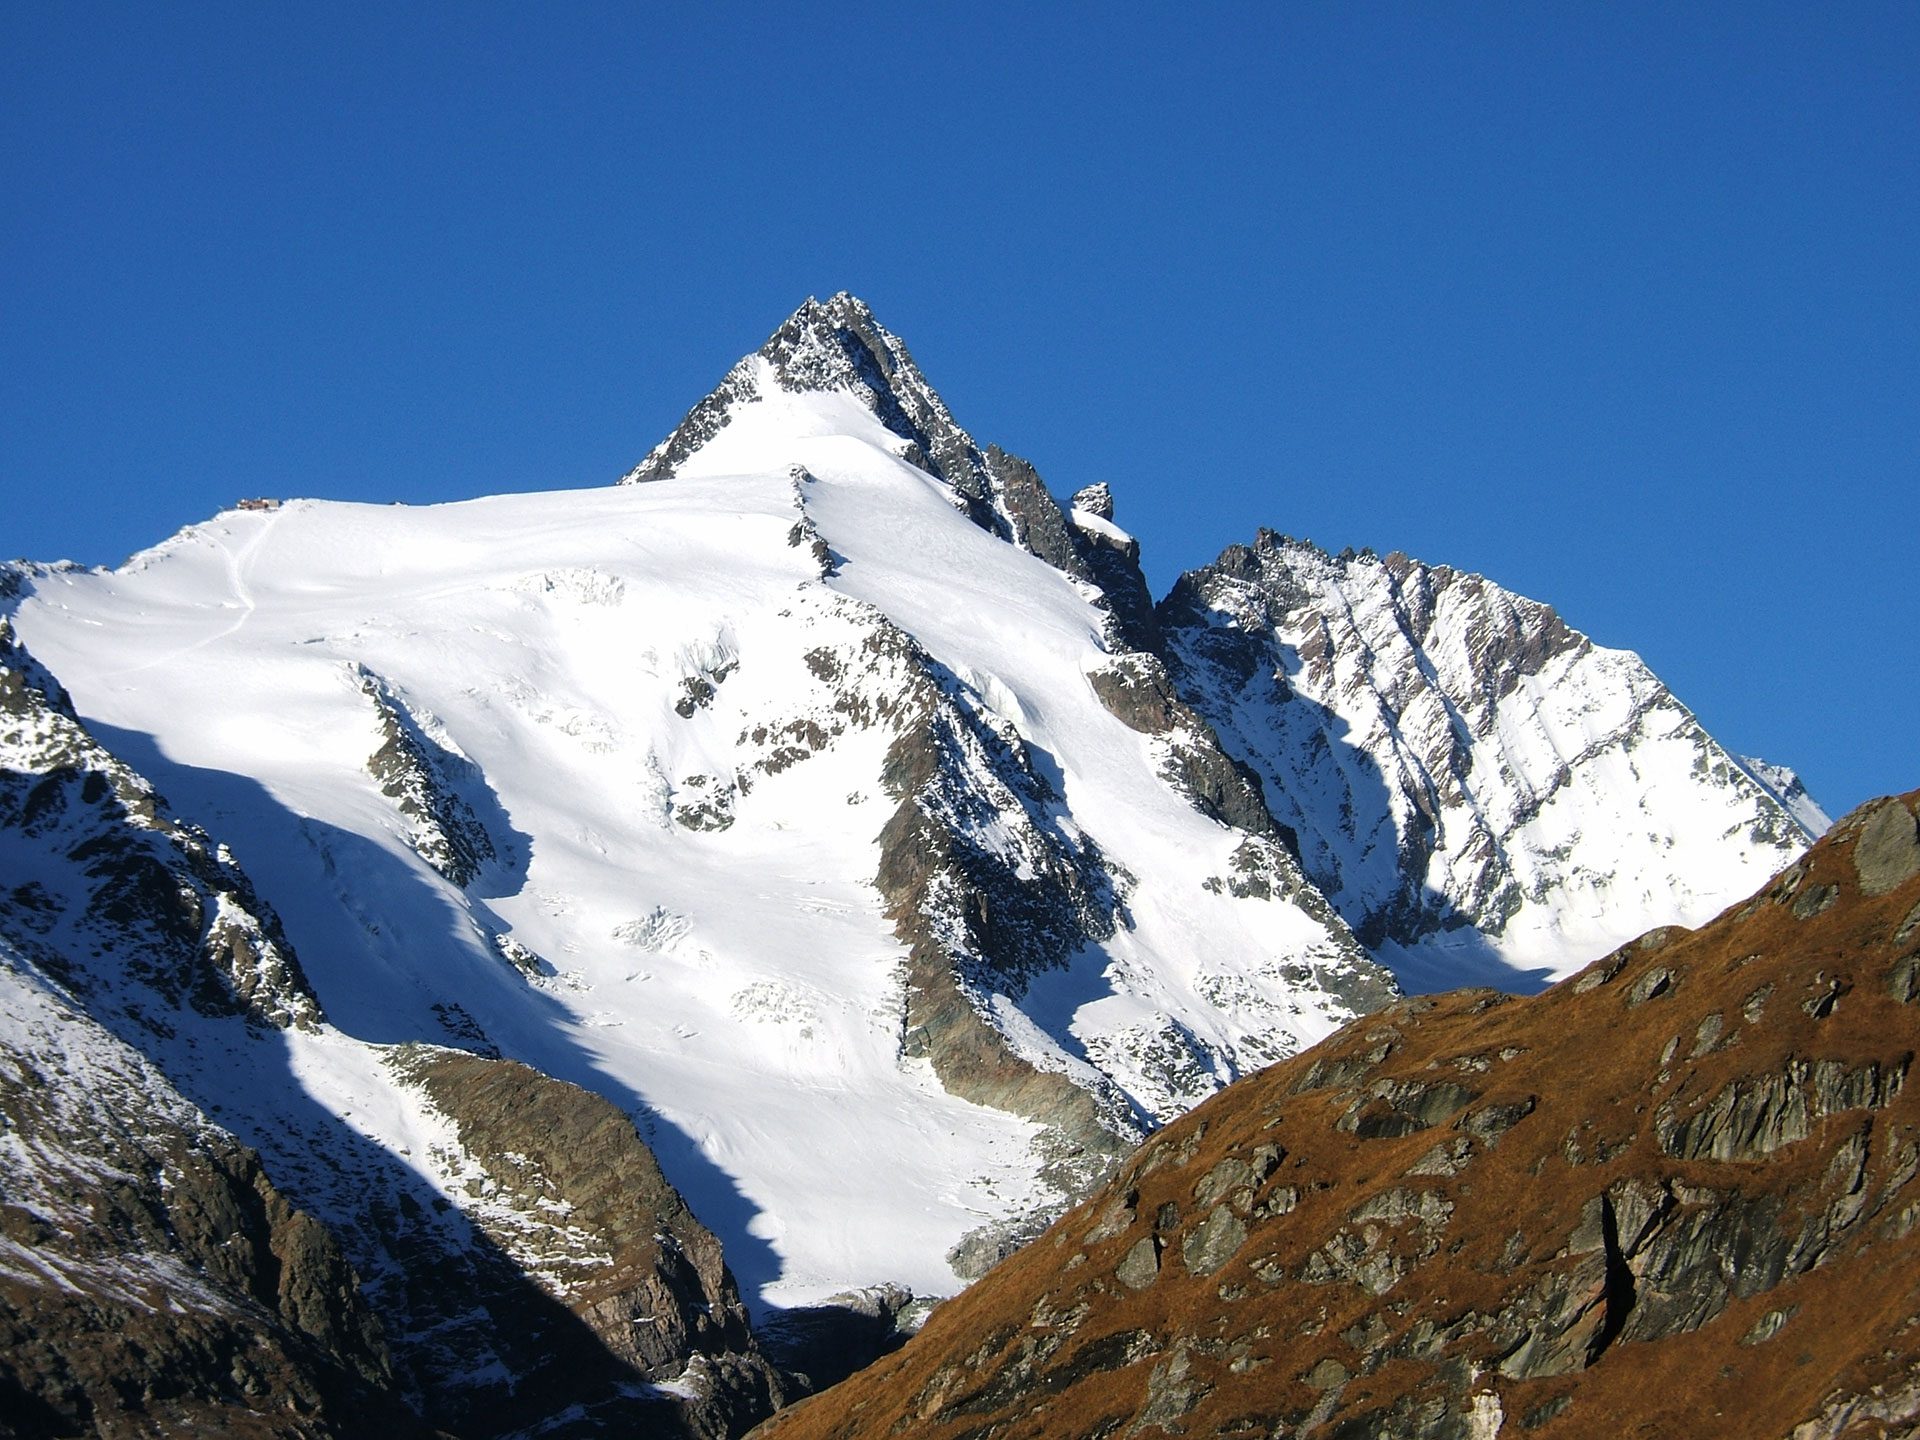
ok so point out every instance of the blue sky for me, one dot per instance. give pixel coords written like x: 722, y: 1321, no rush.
x: 1619, y: 305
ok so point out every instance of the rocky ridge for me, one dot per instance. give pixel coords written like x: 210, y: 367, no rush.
x: 1674, y: 1194
x: 152, y: 1278
x: 424, y: 778
x: 156, y: 1275
x: 99, y: 867
x: 1441, y: 754
x: 981, y: 916
x: 1475, y: 786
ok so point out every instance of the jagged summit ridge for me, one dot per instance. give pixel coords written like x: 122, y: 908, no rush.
x: 838, y: 347
x: 1472, y: 781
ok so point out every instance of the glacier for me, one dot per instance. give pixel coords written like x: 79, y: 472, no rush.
x: 836, y: 802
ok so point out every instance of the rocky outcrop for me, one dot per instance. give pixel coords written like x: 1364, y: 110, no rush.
x: 988, y: 883
x: 1111, y: 559
x: 1037, y: 523
x: 152, y: 1278
x: 100, y: 867
x: 1678, y: 1194
x: 1135, y: 688
x: 424, y: 777
x: 822, y: 1344
x: 1457, y: 763
x: 564, y: 1188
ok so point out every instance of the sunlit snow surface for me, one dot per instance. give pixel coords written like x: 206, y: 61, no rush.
x: 737, y: 989
x: 1542, y: 798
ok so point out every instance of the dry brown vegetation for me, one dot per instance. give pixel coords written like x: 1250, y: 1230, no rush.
x: 1673, y: 1196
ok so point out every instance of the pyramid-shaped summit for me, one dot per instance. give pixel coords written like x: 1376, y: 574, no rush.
x: 837, y: 347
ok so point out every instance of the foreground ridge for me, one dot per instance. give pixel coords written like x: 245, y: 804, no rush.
x: 1675, y: 1194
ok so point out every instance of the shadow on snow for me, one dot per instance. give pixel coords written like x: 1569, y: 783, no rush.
x: 386, y: 944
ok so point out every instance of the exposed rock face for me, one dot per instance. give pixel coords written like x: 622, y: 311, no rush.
x: 152, y: 1279
x: 987, y: 884
x: 564, y: 1188
x: 1038, y: 524
x: 1678, y: 1194
x: 424, y: 778
x: 97, y: 865
x: 1135, y: 688
x: 1111, y: 558
x: 1464, y: 773
x: 823, y: 1344
x: 839, y: 346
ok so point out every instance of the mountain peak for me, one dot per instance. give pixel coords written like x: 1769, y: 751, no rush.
x: 834, y: 346
x: 837, y: 346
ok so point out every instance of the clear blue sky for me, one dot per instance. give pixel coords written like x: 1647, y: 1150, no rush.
x: 1618, y: 304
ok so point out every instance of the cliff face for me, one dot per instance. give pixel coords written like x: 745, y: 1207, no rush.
x: 1480, y: 790
x: 1677, y: 1194
x: 152, y: 1278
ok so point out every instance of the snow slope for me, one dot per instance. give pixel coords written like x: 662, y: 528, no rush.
x: 1482, y: 791
x: 596, y: 778
x: 824, y: 799
x: 481, y: 1241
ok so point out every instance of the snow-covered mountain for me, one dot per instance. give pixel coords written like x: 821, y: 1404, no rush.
x: 475, y: 1242
x: 793, y: 802
x: 829, y: 805
x: 1482, y: 792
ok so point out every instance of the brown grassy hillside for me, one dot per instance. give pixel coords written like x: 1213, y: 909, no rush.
x: 1674, y: 1196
